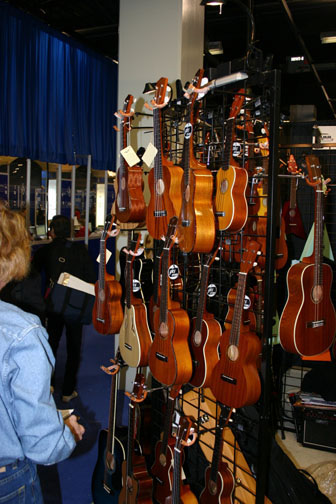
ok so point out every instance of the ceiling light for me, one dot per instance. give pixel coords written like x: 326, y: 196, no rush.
x: 328, y: 38
x: 213, y: 3
x: 215, y: 47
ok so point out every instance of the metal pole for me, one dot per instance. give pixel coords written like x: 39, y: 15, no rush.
x: 28, y: 185
x: 73, y: 193
x: 59, y: 189
x: 105, y: 192
x: 87, y: 203
x: 265, y: 433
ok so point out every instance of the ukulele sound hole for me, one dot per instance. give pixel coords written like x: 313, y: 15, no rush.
x: 163, y: 459
x: 164, y: 330
x: 212, y: 487
x: 317, y: 294
x: 197, y: 338
x: 233, y: 352
x: 160, y: 187
x: 224, y: 186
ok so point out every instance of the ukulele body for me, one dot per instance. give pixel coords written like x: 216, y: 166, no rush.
x: 204, y: 349
x: 230, y: 199
x: 138, y: 488
x: 235, y: 380
x: 165, y: 200
x: 307, y: 324
x: 221, y: 490
x: 107, y: 313
x: 196, y: 229
x: 130, y: 206
x: 169, y: 355
x: 162, y: 471
x: 104, y: 476
x: 135, y: 337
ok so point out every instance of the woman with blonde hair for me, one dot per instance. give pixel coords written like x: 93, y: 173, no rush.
x: 32, y: 431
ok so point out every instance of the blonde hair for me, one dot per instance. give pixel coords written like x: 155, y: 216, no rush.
x: 14, y: 245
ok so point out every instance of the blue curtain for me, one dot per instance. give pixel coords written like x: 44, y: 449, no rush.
x: 57, y: 98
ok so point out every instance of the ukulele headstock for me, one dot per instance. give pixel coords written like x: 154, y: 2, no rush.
x: 170, y: 237
x: 249, y: 256
x: 185, y: 433
x: 139, y: 392
x: 237, y: 103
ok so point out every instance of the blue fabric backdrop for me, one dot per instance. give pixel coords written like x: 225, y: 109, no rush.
x: 57, y: 98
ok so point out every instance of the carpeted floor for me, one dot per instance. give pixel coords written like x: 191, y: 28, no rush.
x: 69, y: 482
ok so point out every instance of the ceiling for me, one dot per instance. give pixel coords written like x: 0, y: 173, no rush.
x: 282, y: 28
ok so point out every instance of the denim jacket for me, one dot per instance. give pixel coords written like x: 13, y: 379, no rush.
x: 30, y: 425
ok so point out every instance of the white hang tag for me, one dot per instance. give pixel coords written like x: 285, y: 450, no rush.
x: 107, y: 256
x: 130, y: 156
x: 149, y: 154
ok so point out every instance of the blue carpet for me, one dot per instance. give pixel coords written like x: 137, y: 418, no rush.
x: 69, y: 482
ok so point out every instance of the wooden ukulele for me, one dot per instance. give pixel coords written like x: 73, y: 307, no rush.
x: 196, y: 225
x: 137, y: 484
x: 162, y: 469
x: 130, y: 204
x: 290, y: 210
x: 106, y: 478
x: 107, y: 313
x: 135, y: 337
x: 164, y: 179
x: 219, y: 480
x: 231, y: 180
x: 235, y: 380
x: 181, y: 493
x: 205, y: 334
x: 169, y: 354
x: 258, y: 225
x: 307, y: 324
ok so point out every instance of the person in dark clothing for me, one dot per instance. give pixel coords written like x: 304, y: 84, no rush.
x: 54, y: 258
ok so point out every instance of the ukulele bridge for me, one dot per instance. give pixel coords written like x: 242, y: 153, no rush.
x: 220, y: 214
x: 316, y: 323
x: 229, y: 379
x: 100, y: 320
x: 186, y: 223
x: 161, y: 357
x: 160, y: 213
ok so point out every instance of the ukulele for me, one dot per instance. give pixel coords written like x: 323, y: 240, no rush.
x: 106, y: 478
x: 137, y: 484
x: 231, y: 180
x: 135, y: 337
x: 181, y: 492
x: 196, y: 225
x: 107, y: 313
x: 258, y: 225
x: 142, y: 271
x: 219, y: 480
x: 164, y: 180
x: 162, y: 469
x: 290, y: 210
x: 235, y: 380
x: 130, y: 204
x: 169, y: 355
x: 205, y: 334
x: 308, y: 322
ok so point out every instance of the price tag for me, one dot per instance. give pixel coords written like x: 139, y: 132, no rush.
x: 130, y: 156
x: 247, y: 302
x: 149, y: 154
